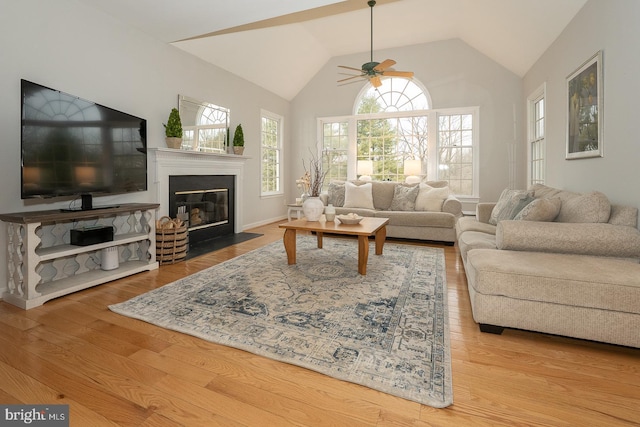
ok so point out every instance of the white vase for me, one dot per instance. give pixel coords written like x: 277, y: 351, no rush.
x: 329, y: 212
x: 313, y: 208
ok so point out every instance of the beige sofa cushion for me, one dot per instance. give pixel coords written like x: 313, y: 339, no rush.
x: 591, y: 207
x: 623, y: 215
x: 540, y: 210
x: 418, y: 219
x: 584, y: 239
x: 574, y: 280
x: 469, y: 223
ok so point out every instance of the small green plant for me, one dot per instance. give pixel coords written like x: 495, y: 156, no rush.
x: 238, y: 137
x: 173, y: 128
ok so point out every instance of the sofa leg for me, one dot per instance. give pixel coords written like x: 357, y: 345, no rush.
x: 491, y: 329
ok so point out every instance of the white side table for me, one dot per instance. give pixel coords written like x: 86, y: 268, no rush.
x: 294, y: 208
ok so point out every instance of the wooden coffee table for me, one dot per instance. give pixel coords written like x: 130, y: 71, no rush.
x: 367, y: 227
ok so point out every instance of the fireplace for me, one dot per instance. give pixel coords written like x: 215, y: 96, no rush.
x: 206, y: 204
x: 166, y: 162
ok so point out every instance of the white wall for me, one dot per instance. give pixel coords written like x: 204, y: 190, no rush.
x: 455, y: 74
x: 610, y: 26
x: 70, y: 47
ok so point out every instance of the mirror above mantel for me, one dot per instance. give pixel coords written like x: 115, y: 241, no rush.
x: 205, y: 125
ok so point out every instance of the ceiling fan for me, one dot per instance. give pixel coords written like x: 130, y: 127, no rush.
x: 374, y: 70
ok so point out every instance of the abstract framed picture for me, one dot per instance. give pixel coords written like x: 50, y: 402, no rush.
x: 585, y: 110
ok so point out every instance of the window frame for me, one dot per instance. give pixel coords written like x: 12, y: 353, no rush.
x: 264, y: 114
x: 532, y: 138
x: 432, y: 140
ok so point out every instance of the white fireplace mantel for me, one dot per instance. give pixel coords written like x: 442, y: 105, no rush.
x: 166, y: 162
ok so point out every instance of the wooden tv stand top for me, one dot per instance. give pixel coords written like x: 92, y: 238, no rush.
x: 62, y: 215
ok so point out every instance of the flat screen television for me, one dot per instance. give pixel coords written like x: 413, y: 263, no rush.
x: 74, y: 147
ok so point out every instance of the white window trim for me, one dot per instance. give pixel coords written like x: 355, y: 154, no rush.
x: 280, y: 119
x: 432, y: 123
x: 539, y: 93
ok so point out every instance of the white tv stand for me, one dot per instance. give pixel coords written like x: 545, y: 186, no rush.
x: 42, y: 265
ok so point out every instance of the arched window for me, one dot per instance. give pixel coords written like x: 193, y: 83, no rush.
x: 395, y: 94
x: 388, y: 137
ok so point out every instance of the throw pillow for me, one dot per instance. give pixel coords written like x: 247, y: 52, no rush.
x: 540, y: 210
x: 358, y: 196
x: 587, y: 208
x: 404, y: 198
x: 336, y: 194
x: 509, y: 204
x: 430, y: 198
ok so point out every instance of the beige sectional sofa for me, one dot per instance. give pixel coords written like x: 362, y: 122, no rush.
x: 424, y: 211
x: 576, y: 274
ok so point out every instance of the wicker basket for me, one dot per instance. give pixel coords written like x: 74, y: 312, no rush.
x: 171, y: 240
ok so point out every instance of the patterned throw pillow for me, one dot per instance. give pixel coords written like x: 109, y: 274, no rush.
x: 510, y: 203
x: 336, y: 194
x: 404, y: 198
x: 358, y: 196
x: 540, y: 210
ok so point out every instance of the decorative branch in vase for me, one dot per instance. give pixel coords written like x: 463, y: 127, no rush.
x: 312, y: 181
x: 315, y: 174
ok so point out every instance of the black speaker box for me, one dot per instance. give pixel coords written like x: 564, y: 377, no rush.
x: 86, y: 236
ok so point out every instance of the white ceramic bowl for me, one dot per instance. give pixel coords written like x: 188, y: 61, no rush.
x: 349, y: 220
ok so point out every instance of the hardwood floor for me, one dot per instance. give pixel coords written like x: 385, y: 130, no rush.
x: 113, y: 370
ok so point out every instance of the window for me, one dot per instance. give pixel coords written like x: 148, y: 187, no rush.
x: 536, y: 136
x: 335, y: 137
x: 455, y: 152
x: 391, y: 125
x: 271, y: 152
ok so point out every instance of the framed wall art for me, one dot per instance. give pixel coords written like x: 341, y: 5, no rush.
x: 585, y: 110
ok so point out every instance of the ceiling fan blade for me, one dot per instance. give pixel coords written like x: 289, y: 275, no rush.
x: 350, y: 68
x: 349, y: 78
x: 384, y: 65
x: 375, y: 81
x: 348, y: 83
x: 391, y: 73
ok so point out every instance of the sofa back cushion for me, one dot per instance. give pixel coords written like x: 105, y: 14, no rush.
x: 591, y: 207
x: 624, y: 215
x: 383, y: 194
x: 540, y: 210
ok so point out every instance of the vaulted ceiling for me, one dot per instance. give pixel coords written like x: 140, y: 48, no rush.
x: 281, y: 44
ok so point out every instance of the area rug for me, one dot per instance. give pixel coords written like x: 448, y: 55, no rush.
x: 388, y: 330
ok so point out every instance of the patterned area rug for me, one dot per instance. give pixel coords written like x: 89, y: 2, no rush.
x: 388, y: 330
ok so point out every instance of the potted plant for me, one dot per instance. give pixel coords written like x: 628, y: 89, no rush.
x: 227, y: 142
x: 238, y: 140
x: 173, y: 129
